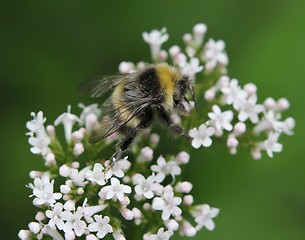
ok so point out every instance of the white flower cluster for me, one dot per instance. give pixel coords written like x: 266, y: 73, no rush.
x: 80, y: 195
x: 83, y: 203
x: 245, y: 119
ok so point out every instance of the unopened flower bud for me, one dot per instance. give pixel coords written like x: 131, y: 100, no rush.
x: 187, y: 38
x: 70, y: 235
x: 65, y: 189
x: 126, y: 67
x: 136, y: 213
x: 250, y: 88
x: 35, y: 174
x: 184, y: 187
x: 64, y: 171
x: 91, y: 120
x: 69, y: 205
x: 34, y: 227
x: 91, y: 237
x: 182, y: 158
x: 78, y: 149
x: 80, y: 191
x: 75, y: 165
x: 118, y: 236
x: 172, y: 225
x: 232, y: 142
x: 209, y: 95
x: 174, y: 51
x: 239, y: 128
x: 256, y: 154
x: 154, y: 139
x: 188, y: 200
x: 77, y: 136
x: 51, y: 130
x: 127, y: 214
x: 50, y: 159
x: 40, y: 216
x: 147, y: 153
x: 269, y: 103
x: 163, y: 55
x: 24, y: 234
x: 282, y: 104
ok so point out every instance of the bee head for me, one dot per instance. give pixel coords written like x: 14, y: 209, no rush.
x: 183, y: 87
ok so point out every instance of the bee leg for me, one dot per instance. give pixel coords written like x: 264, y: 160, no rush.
x: 124, y: 145
x: 176, y: 129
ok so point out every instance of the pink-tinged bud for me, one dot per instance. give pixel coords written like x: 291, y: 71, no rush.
x: 118, y: 236
x: 199, y: 29
x: 80, y: 191
x: 147, y: 153
x: 78, y: 149
x: 136, y: 213
x: 283, y: 104
x: 50, y: 159
x: 126, y: 67
x: 127, y: 214
x: 188, y: 200
x: 34, y: 227
x: 190, y: 51
x: 223, y: 81
x: 66, y: 197
x: 188, y: 230
x: 232, y: 142
x: 146, y: 206
x: 182, y: 158
x: 184, y: 187
x: 75, y: 165
x: 125, y: 201
x: 163, y: 55
x: 269, y: 103
x: 24, y: 234
x: 91, y: 237
x: 209, y: 95
x: 35, y: 174
x: 256, y: 154
x: 172, y: 225
x: 77, y: 136
x: 250, y: 88
x: 187, y: 38
x: 239, y: 128
x: 175, y: 118
x: 154, y: 139
x: 65, y: 189
x: 51, y: 130
x: 40, y: 216
x: 174, y: 51
x: 64, y: 171
x: 180, y: 58
x: 69, y: 205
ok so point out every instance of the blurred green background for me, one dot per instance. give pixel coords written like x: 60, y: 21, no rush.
x: 49, y: 47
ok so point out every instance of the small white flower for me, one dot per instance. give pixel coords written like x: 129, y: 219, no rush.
x: 89, y: 211
x: 55, y: 216
x: 214, y: 54
x: 191, y: 68
x: 155, y: 39
x: 144, y: 186
x: 118, y: 169
x: 201, y: 137
x: 24, y: 234
x: 165, y: 168
x: 74, y: 222
x: 269, y: 122
x: 40, y: 145
x: 203, y: 216
x: 221, y: 120
x: 67, y: 119
x: 271, y: 145
x: 78, y: 177
x: 116, y: 190
x: 43, y: 191
x: 186, y: 229
x: 167, y: 204
x: 234, y: 94
x: 101, y: 226
x: 161, y: 235
x: 97, y: 175
x: 250, y: 110
x: 36, y: 126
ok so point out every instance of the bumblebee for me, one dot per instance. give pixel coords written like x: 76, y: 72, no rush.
x: 137, y: 99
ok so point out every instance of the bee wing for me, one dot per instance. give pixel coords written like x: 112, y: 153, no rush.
x: 111, y: 124
x: 99, y: 85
